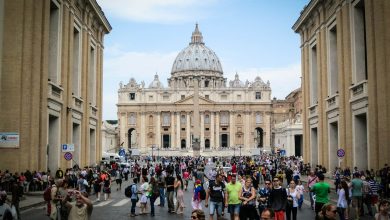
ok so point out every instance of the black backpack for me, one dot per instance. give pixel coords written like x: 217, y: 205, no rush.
x: 129, y: 191
x: 156, y: 191
x: 202, y: 194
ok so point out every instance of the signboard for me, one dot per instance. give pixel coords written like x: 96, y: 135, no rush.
x: 9, y: 140
x: 68, y: 156
x: 340, y: 153
x: 122, y: 152
x: 67, y: 147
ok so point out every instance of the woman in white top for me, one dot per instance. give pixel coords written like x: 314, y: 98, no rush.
x: 292, y: 201
x: 144, y: 190
x: 342, y: 202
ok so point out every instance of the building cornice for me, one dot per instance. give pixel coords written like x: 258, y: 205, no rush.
x: 307, y: 10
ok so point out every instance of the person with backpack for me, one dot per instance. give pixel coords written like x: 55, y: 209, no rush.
x: 154, y: 193
x: 133, y: 196
x: 367, y: 192
x: 197, y: 197
x: 216, y: 192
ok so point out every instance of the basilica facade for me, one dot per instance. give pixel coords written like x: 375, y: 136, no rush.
x: 199, y: 107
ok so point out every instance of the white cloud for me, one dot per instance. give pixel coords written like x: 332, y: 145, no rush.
x: 160, y: 11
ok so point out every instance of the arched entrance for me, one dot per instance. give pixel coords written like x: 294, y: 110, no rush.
x: 224, y: 140
x: 207, y: 144
x: 259, y: 137
x: 131, y: 135
x: 183, y: 144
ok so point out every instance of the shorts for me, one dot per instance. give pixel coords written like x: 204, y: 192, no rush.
x: 216, y: 206
x: 234, y: 208
x: 357, y: 201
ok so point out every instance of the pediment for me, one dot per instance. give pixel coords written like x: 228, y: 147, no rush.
x: 190, y: 100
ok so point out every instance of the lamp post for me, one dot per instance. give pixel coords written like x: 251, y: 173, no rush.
x: 153, y: 146
x: 240, y: 146
x: 158, y: 152
x: 234, y: 149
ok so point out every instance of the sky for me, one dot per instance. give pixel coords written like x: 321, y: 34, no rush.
x: 250, y: 37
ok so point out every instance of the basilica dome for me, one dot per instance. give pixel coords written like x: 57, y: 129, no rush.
x: 197, y: 57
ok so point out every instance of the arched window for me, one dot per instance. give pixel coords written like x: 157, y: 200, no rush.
x: 183, y: 144
x: 150, y: 120
x: 224, y: 118
x: 166, y: 119
x: 207, y: 144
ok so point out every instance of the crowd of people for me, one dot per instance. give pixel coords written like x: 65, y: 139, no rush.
x: 262, y: 187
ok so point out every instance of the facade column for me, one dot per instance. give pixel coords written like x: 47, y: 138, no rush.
x: 123, y: 134
x: 143, y: 131
x: 267, y: 136
x: 178, y: 123
x: 188, y: 131
x: 217, y: 125
x: 232, y: 129
x: 247, y: 136
x: 158, y: 129
x: 172, y: 138
x: 212, y: 130
x: 202, y: 130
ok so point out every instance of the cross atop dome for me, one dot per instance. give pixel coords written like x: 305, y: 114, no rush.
x: 196, y: 37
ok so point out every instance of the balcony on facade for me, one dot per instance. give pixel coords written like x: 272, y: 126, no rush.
x: 55, y: 91
x: 358, y: 91
x: 332, y: 102
x: 313, y: 111
x: 77, y: 103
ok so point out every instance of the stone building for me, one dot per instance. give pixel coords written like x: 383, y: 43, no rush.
x: 198, y: 111
x: 110, y: 137
x: 345, y: 82
x: 51, y: 56
x: 288, y: 132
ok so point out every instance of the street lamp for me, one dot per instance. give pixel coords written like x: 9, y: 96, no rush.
x: 153, y: 146
x: 158, y: 152
x: 240, y: 149
x: 234, y: 149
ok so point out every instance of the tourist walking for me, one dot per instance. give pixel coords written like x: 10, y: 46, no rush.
x: 293, y: 195
x: 233, y: 191
x: 170, y: 184
x: 321, y: 190
x: 248, y: 198
x: 216, y: 192
x: 278, y: 199
x: 179, y: 194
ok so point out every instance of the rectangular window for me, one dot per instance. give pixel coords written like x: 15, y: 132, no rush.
x: 166, y: 119
x: 132, y: 96
x: 183, y: 129
x: 207, y: 96
x: 258, y: 95
x: 359, y: 42
x: 183, y: 96
x: 92, y: 75
x: 76, y: 61
x: 150, y: 98
x: 54, y: 42
x: 207, y: 129
x: 238, y: 97
x: 183, y: 119
x: 332, y: 61
x: 224, y: 97
x: 165, y: 97
x: 313, y: 75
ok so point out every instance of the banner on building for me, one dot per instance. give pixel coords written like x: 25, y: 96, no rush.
x: 9, y: 140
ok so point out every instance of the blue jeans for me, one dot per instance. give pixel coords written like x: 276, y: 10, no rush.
x: 133, y: 204
x: 162, y: 197
x: 311, y: 199
x: 216, y: 206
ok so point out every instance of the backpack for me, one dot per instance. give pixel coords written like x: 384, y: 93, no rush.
x: 129, y: 191
x: 366, y: 188
x: 202, y: 194
x: 47, y: 194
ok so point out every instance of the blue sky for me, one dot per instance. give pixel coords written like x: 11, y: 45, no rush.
x: 250, y: 37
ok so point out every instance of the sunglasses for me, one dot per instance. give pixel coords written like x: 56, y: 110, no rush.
x: 194, y: 217
x: 276, y: 180
x: 334, y: 211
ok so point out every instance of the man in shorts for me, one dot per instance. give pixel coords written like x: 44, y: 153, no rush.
x: 233, y: 190
x: 216, y: 192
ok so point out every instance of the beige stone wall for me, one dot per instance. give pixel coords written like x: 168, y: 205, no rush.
x: 354, y: 97
x: 28, y: 97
